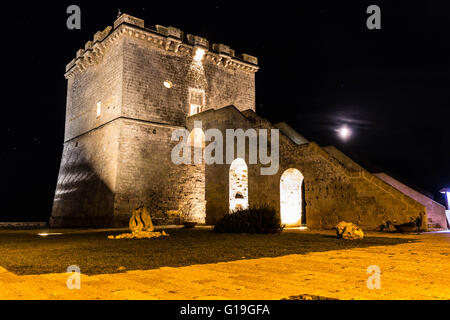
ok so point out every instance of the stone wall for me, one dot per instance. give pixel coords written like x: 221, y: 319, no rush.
x: 145, y: 97
x: 332, y: 193
x: 146, y: 175
x: 86, y: 184
x: 435, y: 211
x: 99, y: 82
x: 23, y: 225
x: 107, y: 172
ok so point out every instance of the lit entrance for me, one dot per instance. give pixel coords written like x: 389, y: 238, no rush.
x: 238, y: 185
x: 291, y: 197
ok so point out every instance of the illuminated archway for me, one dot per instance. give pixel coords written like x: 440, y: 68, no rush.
x: 238, y: 185
x: 291, y: 205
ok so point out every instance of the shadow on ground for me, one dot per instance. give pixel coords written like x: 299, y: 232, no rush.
x: 27, y: 253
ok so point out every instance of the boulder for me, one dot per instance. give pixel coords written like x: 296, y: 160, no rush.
x: 349, y: 231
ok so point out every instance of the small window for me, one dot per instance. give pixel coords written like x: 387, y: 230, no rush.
x: 196, y: 100
x: 99, y: 109
x: 195, y: 109
x: 168, y: 84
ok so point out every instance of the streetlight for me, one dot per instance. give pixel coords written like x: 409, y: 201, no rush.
x: 446, y: 191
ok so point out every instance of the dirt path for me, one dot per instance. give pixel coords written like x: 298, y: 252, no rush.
x: 419, y: 270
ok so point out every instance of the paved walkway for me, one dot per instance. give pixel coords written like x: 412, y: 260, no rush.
x: 419, y: 270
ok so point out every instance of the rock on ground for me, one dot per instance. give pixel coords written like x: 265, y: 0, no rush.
x: 349, y: 231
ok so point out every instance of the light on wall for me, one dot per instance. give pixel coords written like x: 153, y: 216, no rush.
x: 99, y: 109
x: 199, y: 53
x: 168, y: 84
x: 44, y: 234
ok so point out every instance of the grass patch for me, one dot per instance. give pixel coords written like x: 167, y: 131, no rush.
x: 27, y: 253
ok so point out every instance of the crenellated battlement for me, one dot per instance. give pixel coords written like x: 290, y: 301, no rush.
x: 167, y: 38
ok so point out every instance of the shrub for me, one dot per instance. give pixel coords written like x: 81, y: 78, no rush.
x: 258, y: 219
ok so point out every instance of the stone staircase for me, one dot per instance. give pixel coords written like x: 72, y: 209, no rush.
x: 434, y: 226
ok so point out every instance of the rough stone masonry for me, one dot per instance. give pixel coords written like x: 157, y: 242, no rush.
x: 133, y: 85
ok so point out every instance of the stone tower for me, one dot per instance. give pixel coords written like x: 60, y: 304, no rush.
x: 128, y: 90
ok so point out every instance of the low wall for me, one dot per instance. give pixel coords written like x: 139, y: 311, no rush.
x: 24, y: 225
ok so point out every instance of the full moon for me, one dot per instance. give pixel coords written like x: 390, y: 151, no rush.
x: 344, y: 132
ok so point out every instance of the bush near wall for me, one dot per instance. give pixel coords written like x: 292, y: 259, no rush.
x: 259, y: 219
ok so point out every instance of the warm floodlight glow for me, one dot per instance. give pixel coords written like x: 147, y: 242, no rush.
x: 99, y: 109
x: 199, y: 54
x: 238, y: 185
x: 168, y: 84
x: 43, y: 234
x: 291, y: 197
x: 344, y: 132
x: 301, y: 228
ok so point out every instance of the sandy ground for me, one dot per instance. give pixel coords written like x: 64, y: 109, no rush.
x: 418, y: 270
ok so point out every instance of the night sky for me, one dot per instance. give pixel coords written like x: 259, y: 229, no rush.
x: 320, y: 68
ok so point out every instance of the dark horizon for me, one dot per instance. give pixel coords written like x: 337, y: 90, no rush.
x: 320, y: 68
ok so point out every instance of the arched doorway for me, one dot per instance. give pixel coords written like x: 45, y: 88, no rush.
x: 291, y: 206
x: 238, y: 185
